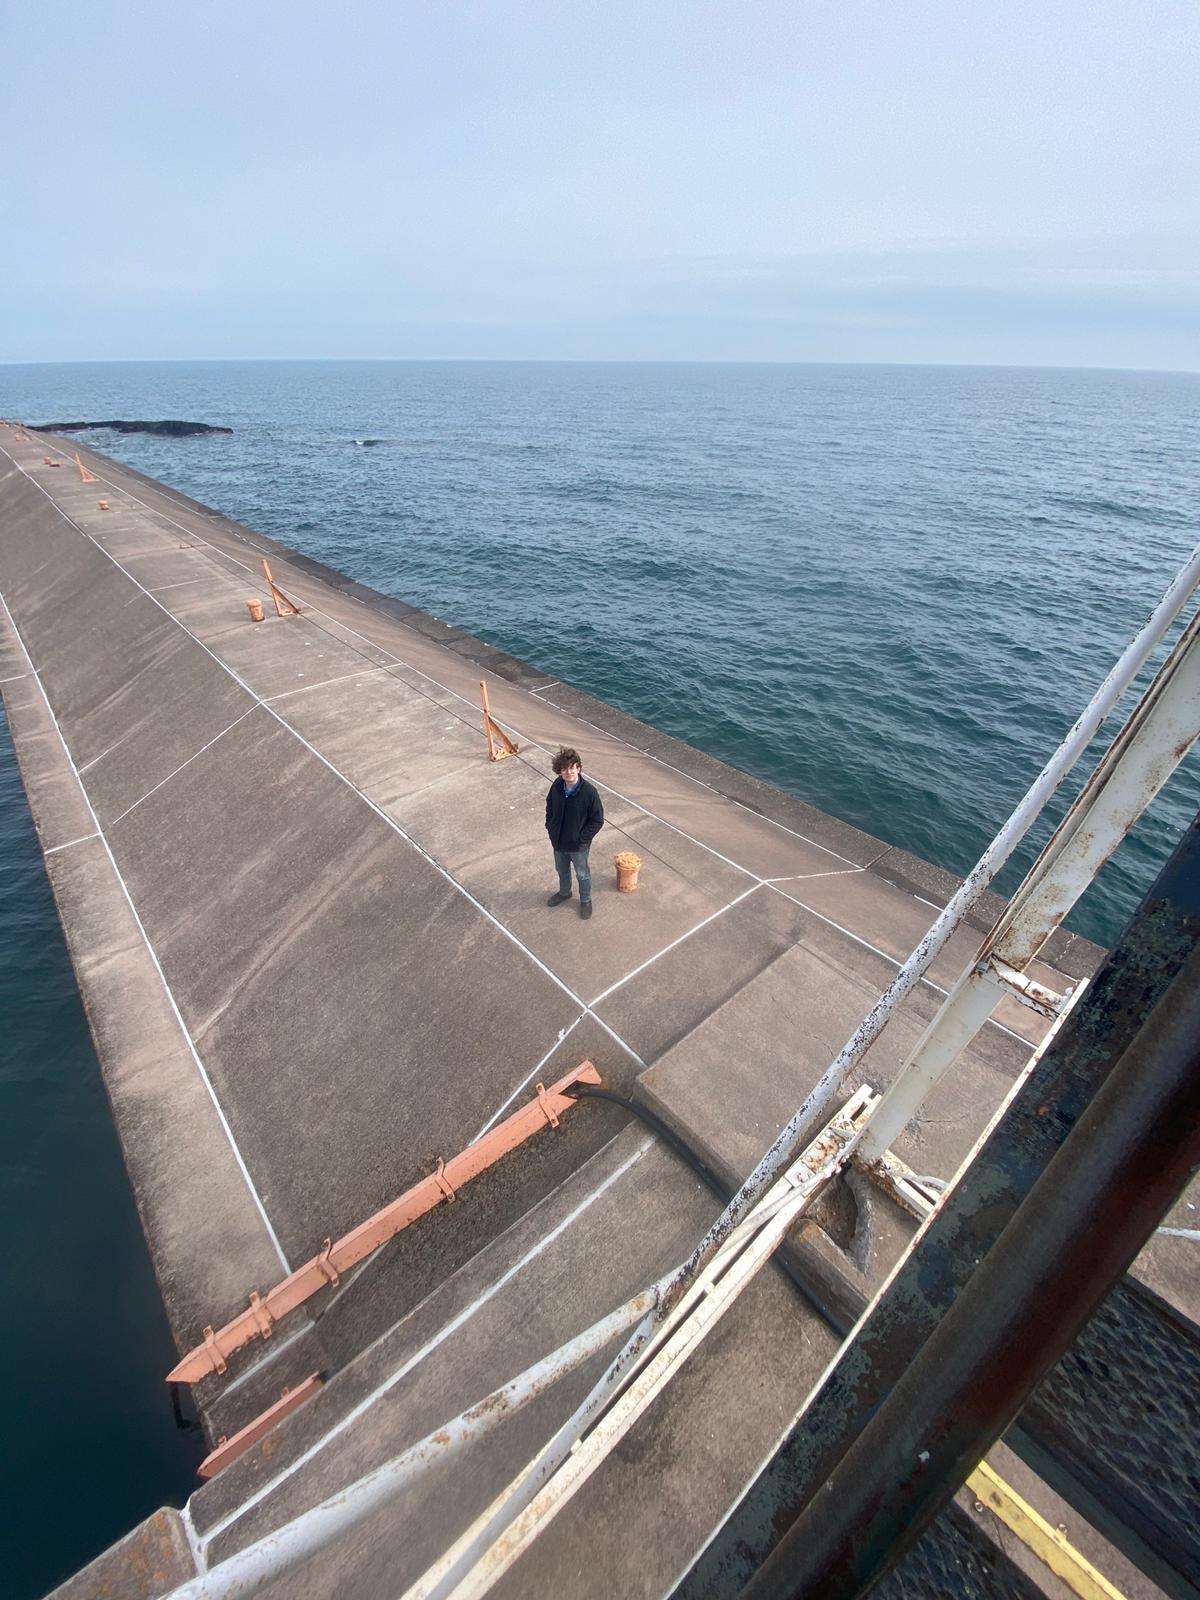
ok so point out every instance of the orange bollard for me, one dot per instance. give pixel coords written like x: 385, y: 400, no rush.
x: 104, y: 506
x: 256, y: 610
x: 628, y: 866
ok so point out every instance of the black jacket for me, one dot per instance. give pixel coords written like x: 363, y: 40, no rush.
x: 573, y: 821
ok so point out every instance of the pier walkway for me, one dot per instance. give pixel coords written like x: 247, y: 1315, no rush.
x: 308, y: 919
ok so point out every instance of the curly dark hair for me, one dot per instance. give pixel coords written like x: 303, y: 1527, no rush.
x: 566, y: 757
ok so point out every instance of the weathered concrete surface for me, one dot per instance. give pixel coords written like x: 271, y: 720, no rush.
x: 308, y: 920
x: 150, y: 1561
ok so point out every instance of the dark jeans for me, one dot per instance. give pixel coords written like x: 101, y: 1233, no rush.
x: 563, y: 860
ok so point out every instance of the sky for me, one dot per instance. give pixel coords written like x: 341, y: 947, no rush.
x: 863, y: 180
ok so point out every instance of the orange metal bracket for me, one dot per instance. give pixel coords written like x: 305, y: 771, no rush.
x: 283, y: 606
x: 499, y: 744
x: 22, y: 437
x: 230, y: 1449
x: 264, y: 1311
x: 84, y: 474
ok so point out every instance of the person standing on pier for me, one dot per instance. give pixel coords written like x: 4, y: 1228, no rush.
x: 574, y: 816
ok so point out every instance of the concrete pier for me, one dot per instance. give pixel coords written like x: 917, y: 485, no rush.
x: 308, y: 920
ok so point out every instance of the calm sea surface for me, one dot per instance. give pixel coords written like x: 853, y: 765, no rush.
x: 888, y: 590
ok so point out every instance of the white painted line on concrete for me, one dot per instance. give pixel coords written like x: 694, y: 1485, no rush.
x: 427, y: 1349
x: 542, y: 687
x: 82, y: 839
x: 353, y: 787
x: 529, y: 1077
x: 262, y: 1211
x: 16, y: 677
x: 712, y: 917
x: 1180, y: 1233
x: 181, y: 766
x: 363, y: 672
x: 108, y: 750
x: 182, y: 584
x: 800, y: 877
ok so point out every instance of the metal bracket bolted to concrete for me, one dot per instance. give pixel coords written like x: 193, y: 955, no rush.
x: 500, y: 746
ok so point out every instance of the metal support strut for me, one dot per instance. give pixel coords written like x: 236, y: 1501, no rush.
x: 1081, y: 1225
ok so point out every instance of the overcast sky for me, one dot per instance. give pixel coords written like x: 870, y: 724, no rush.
x: 862, y: 180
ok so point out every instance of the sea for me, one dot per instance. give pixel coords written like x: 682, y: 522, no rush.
x: 888, y: 590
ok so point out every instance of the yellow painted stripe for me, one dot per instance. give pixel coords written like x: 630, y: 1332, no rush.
x: 1050, y: 1547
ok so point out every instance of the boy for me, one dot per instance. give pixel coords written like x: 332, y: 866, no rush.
x: 574, y: 816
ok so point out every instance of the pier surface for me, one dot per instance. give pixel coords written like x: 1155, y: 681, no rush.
x: 308, y: 919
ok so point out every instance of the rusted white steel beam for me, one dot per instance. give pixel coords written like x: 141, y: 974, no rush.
x: 313, y: 1530
x: 497, y: 1539
x: 1027, y: 990
x: 1155, y: 738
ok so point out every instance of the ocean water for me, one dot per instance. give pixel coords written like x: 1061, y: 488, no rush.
x: 888, y: 590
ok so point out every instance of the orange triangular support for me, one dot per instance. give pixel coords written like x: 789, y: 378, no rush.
x: 85, y: 475
x: 283, y: 606
x: 499, y: 744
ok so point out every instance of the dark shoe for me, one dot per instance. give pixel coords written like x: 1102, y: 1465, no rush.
x: 585, y: 909
x: 557, y: 899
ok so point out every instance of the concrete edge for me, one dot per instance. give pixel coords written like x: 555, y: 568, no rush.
x: 148, y: 1563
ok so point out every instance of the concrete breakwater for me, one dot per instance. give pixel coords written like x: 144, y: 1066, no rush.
x: 308, y: 919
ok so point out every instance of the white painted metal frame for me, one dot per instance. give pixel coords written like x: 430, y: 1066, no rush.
x: 1157, y: 735
x: 287, y: 1547
x: 510, y: 1524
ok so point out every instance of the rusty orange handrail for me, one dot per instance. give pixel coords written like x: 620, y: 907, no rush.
x: 228, y: 1450
x: 324, y: 1269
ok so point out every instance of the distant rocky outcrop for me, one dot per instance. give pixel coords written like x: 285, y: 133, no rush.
x: 170, y: 429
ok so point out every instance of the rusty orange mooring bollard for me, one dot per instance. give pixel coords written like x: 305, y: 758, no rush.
x: 256, y: 610
x: 628, y: 866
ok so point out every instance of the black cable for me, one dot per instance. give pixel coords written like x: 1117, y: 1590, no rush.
x: 588, y: 1091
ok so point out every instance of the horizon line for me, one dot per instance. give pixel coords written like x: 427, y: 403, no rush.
x: 587, y: 361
